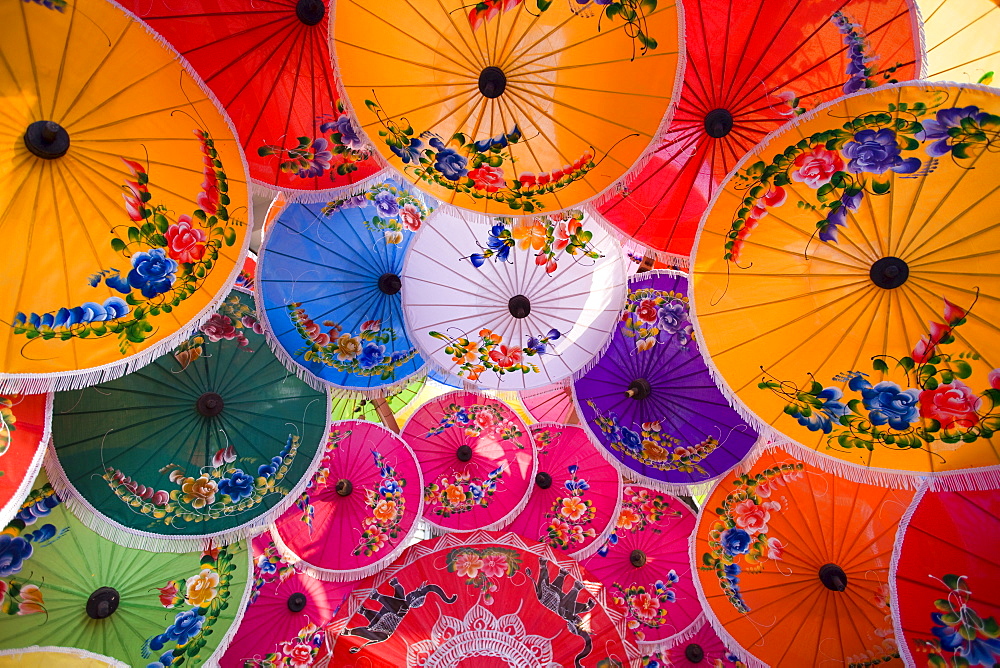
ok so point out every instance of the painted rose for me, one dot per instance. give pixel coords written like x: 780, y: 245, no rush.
x: 386, y: 204
x: 994, y: 379
x: 449, y: 162
x: 646, y: 310
x: 494, y: 565
x: 185, y: 243
x: 887, y: 403
x: 468, y: 564
x: 13, y: 551
x: 751, y: 517
x: 573, y: 508
x: 371, y: 355
x: 877, y: 152
x: 152, y: 272
x: 348, y: 347
x: 488, y: 178
x: 299, y: 655
x: 954, y: 405
x: 238, y: 486
x: 735, y: 541
x: 385, y: 510
x: 201, y: 589
x: 199, y: 492
x: 816, y: 166
x: 409, y: 216
x: 454, y: 494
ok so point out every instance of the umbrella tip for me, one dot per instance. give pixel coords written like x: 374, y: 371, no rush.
x: 519, y: 306
x: 344, y: 487
x: 209, y: 404
x: 310, y: 12
x: 296, y: 602
x: 718, y: 123
x: 638, y: 389
x: 889, y: 272
x: 103, y: 603
x: 47, y: 139
x: 464, y: 453
x: 543, y: 480
x: 833, y: 577
x: 492, y: 82
x: 637, y: 558
x: 694, y: 653
x: 389, y: 284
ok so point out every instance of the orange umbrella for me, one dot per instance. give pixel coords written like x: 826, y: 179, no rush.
x: 793, y: 564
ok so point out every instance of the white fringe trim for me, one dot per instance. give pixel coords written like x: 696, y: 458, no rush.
x: 352, y: 574
x: 897, y: 550
x: 212, y: 661
x: 662, y: 646
x: 12, y: 507
x: 111, y: 662
x: 118, y: 533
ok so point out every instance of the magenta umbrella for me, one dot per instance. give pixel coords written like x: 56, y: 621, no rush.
x: 477, y: 458
x: 286, y: 621
x: 360, y: 507
x: 645, y: 566
x: 577, y: 493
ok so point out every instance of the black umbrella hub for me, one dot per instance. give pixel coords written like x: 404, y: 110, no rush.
x: 47, y: 139
x: 103, y: 603
x: 889, y: 272
x: 296, y: 602
x: 209, y: 404
x: 718, y: 123
x: 310, y: 12
x: 833, y: 577
x: 639, y: 389
x: 519, y: 306
x: 389, y: 284
x: 492, y: 82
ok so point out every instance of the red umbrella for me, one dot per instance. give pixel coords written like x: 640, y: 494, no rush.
x: 268, y: 62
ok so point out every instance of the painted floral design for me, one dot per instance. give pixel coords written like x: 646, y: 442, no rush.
x: 362, y: 353
x: 640, y: 510
x: 297, y: 652
x: 548, y: 238
x: 738, y: 539
x: 269, y: 566
x: 568, y: 519
x: 335, y: 150
x: 483, y: 568
x: 168, y: 257
x: 228, y: 323
x: 58, y: 5
x: 647, y: 607
x: 453, y: 495
x: 397, y: 211
x: 861, y: 57
x: 476, y: 420
x: 656, y: 316
x: 932, y: 405
x: 475, y: 168
x: 881, y: 652
x: 843, y: 166
x: 320, y: 477
x: 200, y: 599
x: 962, y: 637
x: 650, y: 445
x: 20, y: 595
x: 220, y: 490
x: 490, y: 353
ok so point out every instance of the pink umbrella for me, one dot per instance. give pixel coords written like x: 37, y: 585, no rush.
x: 552, y: 403
x: 286, y: 619
x: 478, y: 461
x: 358, y: 511
x: 645, y: 566
x: 577, y: 494
x: 702, y: 649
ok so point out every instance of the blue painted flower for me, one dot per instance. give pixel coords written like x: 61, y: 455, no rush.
x: 386, y: 204
x: 462, y: 416
x: 877, y: 152
x: 449, y: 162
x: 152, y: 272
x: 477, y: 259
x: 186, y: 625
x: 389, y: 487
x: 13, y: 551
x: 500, y: 247
x: 411, y: 153
x: 831, y: 410
x: 115, y: 307
x: 167, y: 657
x: 948, y: 635
x: 672, y: 577
x: 41, y: 534
x: 837, y: 217
x: 630, y: 440
x: 267, y: 566
x: 399, y: 355
x: 118, y: 282
x: 735, y: 541
x: 371, y: 355
x: 535, y: 345
x: 888, y: 403
x: 238, y: 486
x: 553, y: 335
x: 732, y: 574
x: 267, y: 470
x: 946, y: 120
x: 476, y: 491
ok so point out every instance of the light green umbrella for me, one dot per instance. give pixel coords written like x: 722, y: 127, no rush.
x: 64, y: 585
x: 211, y: 441
x: 356, y: 406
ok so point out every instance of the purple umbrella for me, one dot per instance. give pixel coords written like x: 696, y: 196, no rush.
x: 651, y: 401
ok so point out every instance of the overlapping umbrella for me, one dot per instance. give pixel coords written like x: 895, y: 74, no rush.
x: 551, y: 404
x: 24, y: 430
x: 57, y: 657
x: 124, y: 198
x: 959, y: 39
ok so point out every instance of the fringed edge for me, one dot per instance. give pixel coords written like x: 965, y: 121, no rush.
x: 118, y: 533
x: 213, y: 660
x: 967, y: 480
x: 339, y: 192
x: 897, y: 550
x: 917, y: 28
x: 72, y: 651
x: 632, y: 246
x: 692, y: 629
x: 729, y: 641
x: 12, y: 507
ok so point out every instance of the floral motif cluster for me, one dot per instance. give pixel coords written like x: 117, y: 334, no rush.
x: 860, y: 68
x: 655, y: 316
x: 479, y: 420
x: 204, y: 596
x: 934, y: 404
x: 568, y: 519
x: 220, y: 490
x: 738, y: 537
x: 337, y: 150
x: 490, y: 353
x: 647, y: 607
x: 651, y: 446
x: 962, y: 637
x: 474, y: 167
x: 19, y: 595
x: 269, y: 566
x: 170, y: 259
x: 547, y: 237
x: 397, y: 211
x: 463, y: 492
x: 641, y: 510
x: 842, y: 166
x: 57, y: 5
x: 483, y: 568
x: 298, y: 652
x: 387, y: 506
x: 883, y: 652
x: 361, y: 354
x: 229, y: 323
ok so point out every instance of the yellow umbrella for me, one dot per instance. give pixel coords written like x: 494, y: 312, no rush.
x: 846, y: 281
x: 510, y: 106
x: 960, y: 38
x: 123, y: 199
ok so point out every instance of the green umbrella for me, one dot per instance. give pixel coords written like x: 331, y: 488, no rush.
x: 211, y: 441
x: 355, y: 406
x: 64, y: 585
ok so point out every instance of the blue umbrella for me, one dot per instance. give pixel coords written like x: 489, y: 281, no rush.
x: 330, y: 289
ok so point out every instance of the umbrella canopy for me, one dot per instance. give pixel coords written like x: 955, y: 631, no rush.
x: 56, y: 657
x: 488, y: 600
x: 210, y: 441
x: 329, y: 280
x: 360, y: 508
x: 477, y: 459
x: 553, y: 403
x: 752, y: 66
x: 110, y: 142
x: 577, y: 494
x: 269, y: 66
x: 645, y: 567
x: 793, y: 564
x: 513, y: 304
x: 356, y: 406
x: 944, y: 576
x: 858, y: 318
x: 65, y: 585
x: 650, y: 400
x: 703, y: 648
x: 24, y: 432
x: 510, y: 107
x: 960, y: 39
x: 285, y: 621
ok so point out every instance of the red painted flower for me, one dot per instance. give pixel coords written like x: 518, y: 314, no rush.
x: 506, y: 356
x: 646, y: 310
x: 952, y: 313
x: 133, y: 204
x: 409, y: 215
x: 488, y: 178
x: 994, y: 378
x: 953, y: 405
x: 185, y: 243
x: 815, y: 167
x: 564, y: 232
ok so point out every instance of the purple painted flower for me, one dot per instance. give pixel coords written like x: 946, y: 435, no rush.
x: 320, y: 160
x: 13, y: 551
x: 409, y: 154
x: 386, y: 204
x: 940, y: 128
x: 349, y: 135
x: 877, y: 152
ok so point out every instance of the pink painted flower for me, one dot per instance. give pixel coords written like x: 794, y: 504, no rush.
x: 952, y: 313
x: 750, y: 517
x: 494, y: 565
x: 409, y: 215
x: 953, y: 405
x: 468, y: 565
x: 185, y: 243
x: 816, y: 166
x: 484, y: 419
x: 31, y: 600
x: 133, y: 203
x: 300, y: 654
x: 775, y: 549
x: 488, y: 178
x: 219, y: 327
x: 168, y: 595
x: 994, y: 378
x: 645, y: 606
